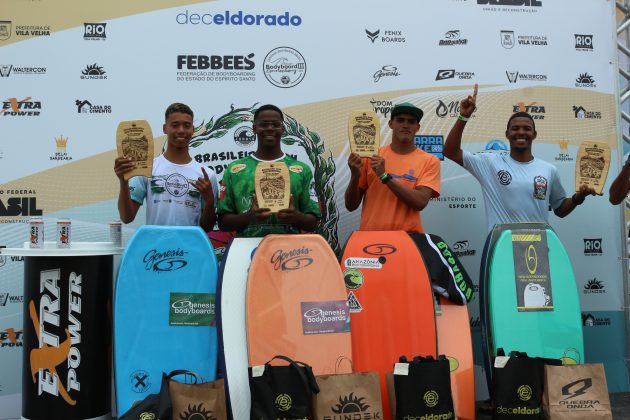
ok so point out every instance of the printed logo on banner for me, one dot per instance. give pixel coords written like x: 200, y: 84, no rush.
x: 386, y: 71
x: 515, y: 6
x: 585, y: 80
x: 5, y: 29
x: 94, y: 31
x: 238, y: 18
x: 582, y: 114
x: 452, y: 37
x: 284, y: 67
x: 536, y: 110
x: 564, y: 155
x: 86, y: 107
x: 32, y: 30
x: 12, y: 107
x: 593, y: 247
x: 216, y: 68
x: 244, y: 136
x: 10, y: 338
x: 433, y: 144
x: 532, y: 40
x: 294, y: 259
x: 594, y: 286
x: 452, y: 74
x: 387, y: 36
x: 589, y: 320
x: 19, y: 203
x: 383, y: 107
x: 450, y: 109
x: 496, y: 145
x: 583, y: 42
x: 165, y: 260
x: 9, y: 69
x: 457, y: 202
x: 461, y: 249
x: 61, y: 154
x: 93, y: 72
x: 507, y: 39
x: 7, y: 298
x: 326, y: 317
x: 516, y: 76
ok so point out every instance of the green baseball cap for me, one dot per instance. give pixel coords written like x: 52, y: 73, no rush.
x: 407, y: 108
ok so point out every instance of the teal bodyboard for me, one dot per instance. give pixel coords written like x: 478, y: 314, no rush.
x: 164, y: 310
x: 551, y: 330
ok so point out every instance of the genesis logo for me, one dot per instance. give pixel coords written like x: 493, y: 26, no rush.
x: 386, y: 71
x: 577, y: 388
x: 379, y: 249
x: 165, y: 261
x: 505, y: 178
x: 294, y: 259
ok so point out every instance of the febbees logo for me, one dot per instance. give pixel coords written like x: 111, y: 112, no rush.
x: 216, y: 68
x: 13, y: 107
x: 238, y: 18
x: 51, y: 354
x: 294, y: 259
x: 94, y: 31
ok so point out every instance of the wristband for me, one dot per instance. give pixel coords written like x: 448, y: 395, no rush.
x: 383, y: 176
x: 385, y: 179
x: 462, y: 118
x: 576, y: 201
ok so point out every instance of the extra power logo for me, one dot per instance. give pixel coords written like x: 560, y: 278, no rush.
x: 352, y: 407
x: 294, y: 259
x: 56, y: 350
x: 535, y: 109
x: 25, y: 107
x: 593, y: 247
x: 166, y: 260
x: 575, y: 389
x: 283, y: 402
x: 11, y: 338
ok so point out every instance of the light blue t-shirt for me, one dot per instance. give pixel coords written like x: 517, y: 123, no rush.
x: 515, y: 191
x: 172, y: 199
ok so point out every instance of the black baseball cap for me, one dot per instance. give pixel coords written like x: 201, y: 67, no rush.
x: 407, y: 108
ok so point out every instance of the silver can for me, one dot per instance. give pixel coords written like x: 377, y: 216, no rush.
x: 36, y: 232
x: 115, y: 233
x: 63, y: 233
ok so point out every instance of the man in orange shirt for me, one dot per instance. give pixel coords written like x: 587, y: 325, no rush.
x: 398, y: 183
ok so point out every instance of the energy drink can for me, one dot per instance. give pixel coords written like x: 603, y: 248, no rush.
x: 36, y: 232
x: 115, y: 233
x: 63, y: 233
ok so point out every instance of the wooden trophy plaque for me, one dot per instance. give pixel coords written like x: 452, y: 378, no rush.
x: 134, y: 140
x: 364, y: 132
x: 592, y: 164
x: 273, y: 186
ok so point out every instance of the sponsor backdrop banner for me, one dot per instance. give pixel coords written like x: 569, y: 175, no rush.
x: 67, y: 80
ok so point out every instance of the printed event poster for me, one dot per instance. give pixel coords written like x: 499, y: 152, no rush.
x: 531, y: 270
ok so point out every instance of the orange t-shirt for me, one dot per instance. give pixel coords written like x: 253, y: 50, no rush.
x: 382, y: 210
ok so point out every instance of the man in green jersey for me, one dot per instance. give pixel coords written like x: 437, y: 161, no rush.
x: 238, y: 207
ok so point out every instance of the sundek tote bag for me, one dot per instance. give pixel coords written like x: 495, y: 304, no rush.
x: 423, y: 388
x: 347, y: 394
x: 576, y: 392
x: 203, y: 400
x: 282, y: 392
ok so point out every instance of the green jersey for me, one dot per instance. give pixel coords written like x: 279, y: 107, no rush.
x: 237, y: 188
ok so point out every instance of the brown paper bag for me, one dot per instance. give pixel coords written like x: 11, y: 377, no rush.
x: 576, y: 392
x: 203, y: 400
x: 357, y: 393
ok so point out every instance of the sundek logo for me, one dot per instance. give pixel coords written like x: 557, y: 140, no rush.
x: 238, y: 18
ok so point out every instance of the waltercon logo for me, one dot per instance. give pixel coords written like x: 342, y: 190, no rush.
x: 86, y: 107
x: 13, y: 107
x: 379, y: 249
x: 11, y: 338
x: 93, y: 72
x: 593, y: 247
x: 284, y: 67
x: 170, y: 260
x: 452, y: 37
x: 387, y: 36
x: 9, y: 69
x: 355, y: 406
x: 7, y: 298
x: 515, y: 76
x: 386, y: 71
x: 238, y: 18
x: 294, y: 259
x: 583, y: 42
x: 94, y: 31
x: 51, y: 354
x: 594, y: 286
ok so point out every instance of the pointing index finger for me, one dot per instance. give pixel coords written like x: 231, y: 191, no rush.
x: 205, y: 174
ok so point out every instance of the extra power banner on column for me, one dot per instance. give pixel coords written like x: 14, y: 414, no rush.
x: 531, y: 270
x: 67, y: 338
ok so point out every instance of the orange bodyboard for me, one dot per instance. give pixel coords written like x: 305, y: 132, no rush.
x: 454, y: 341
x: 390, y: 300
x: 296, y: 304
